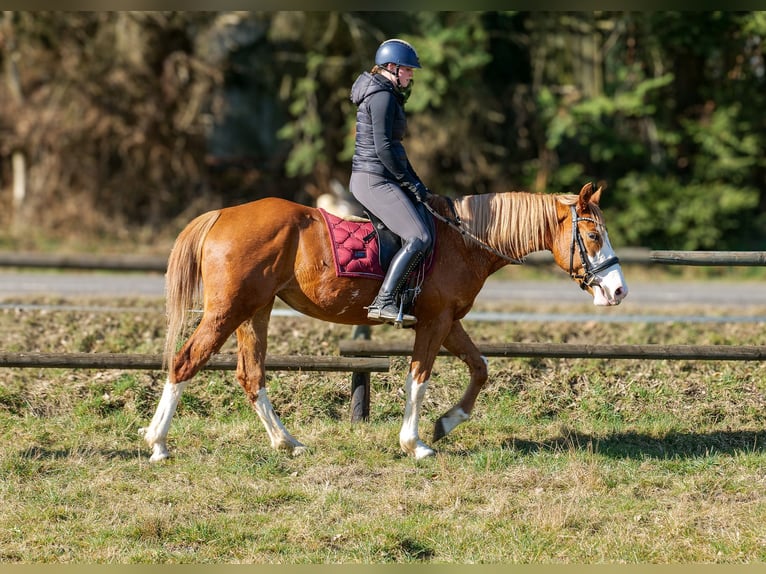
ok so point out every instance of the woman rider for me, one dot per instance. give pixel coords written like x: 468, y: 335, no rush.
x: 382, y: 179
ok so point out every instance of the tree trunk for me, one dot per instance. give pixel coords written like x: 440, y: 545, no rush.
x: 19, y: 167
x: 18, y: 157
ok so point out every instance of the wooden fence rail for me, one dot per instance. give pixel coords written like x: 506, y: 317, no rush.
x: 357, y: 348
x: 710, y: 258
x: 125, y: 262
x: 226, y: 361
x: 90, y: 262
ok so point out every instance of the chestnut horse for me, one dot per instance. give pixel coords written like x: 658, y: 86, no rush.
x: 246, y: 256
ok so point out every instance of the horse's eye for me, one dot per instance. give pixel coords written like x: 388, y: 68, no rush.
x: 594, y: 236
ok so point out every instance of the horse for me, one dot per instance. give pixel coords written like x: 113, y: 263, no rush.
x: 242, y: 258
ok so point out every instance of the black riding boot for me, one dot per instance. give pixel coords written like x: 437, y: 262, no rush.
x: 384, y: 307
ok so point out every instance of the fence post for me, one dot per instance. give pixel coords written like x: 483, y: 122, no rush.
x: 360, y: 383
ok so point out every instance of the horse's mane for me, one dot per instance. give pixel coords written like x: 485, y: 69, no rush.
x: 514, y: 223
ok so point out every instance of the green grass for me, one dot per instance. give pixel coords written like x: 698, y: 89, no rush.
x: 564, y: 461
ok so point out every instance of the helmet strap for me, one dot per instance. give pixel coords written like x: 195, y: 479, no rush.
x: 396, y: 75
x: 406, y: 92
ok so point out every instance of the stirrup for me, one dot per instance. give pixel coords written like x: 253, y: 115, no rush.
x: 385, y: 314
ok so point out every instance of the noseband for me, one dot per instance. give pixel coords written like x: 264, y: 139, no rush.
x: 589, y: 274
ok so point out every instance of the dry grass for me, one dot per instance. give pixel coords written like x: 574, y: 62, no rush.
x: 565, y: 461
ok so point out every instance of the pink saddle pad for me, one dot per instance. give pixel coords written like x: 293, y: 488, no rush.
x: 354, y: 247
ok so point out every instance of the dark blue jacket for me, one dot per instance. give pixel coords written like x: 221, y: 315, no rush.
x: 380, y: 127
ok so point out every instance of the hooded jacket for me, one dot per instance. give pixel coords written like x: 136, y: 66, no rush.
x: 380, y: 127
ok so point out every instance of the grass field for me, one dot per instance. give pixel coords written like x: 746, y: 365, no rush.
x: 564, y: 461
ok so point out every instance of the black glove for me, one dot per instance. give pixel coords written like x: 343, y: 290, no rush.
x: 419, y: 190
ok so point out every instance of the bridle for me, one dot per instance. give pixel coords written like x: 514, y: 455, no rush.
x: 589, y: 274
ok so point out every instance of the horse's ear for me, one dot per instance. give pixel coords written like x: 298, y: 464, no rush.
x: 585, y: 196
x: 590, y: 194
x: 596, y: 197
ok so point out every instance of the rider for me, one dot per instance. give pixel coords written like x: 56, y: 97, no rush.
x: 382, y: 179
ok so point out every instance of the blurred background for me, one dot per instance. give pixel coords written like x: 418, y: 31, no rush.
x: 117, y: 128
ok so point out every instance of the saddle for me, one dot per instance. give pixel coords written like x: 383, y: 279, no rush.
x: 364, y: 247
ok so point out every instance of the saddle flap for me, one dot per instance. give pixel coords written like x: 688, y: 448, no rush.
x: 388, y: 241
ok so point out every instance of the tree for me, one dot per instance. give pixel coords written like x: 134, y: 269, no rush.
x: 664, y: 126
x: 114, y: 116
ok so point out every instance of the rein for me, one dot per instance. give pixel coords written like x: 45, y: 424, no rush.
x: 589, y: 275
x: 457, y: 225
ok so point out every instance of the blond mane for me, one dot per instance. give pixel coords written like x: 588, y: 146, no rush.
x: 514, y: 223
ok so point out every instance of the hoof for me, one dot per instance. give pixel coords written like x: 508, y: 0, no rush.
x: 159, y: 456
x: 448, y: 421
x: 418, y: 450
x: 439, y: 431
x: 293, y: 447
x: 159, y: 453
x: 159, y: 449
x: 422, y: 451
x: 300, y: 450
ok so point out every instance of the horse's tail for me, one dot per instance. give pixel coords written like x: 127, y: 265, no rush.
x: 182, y: 280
